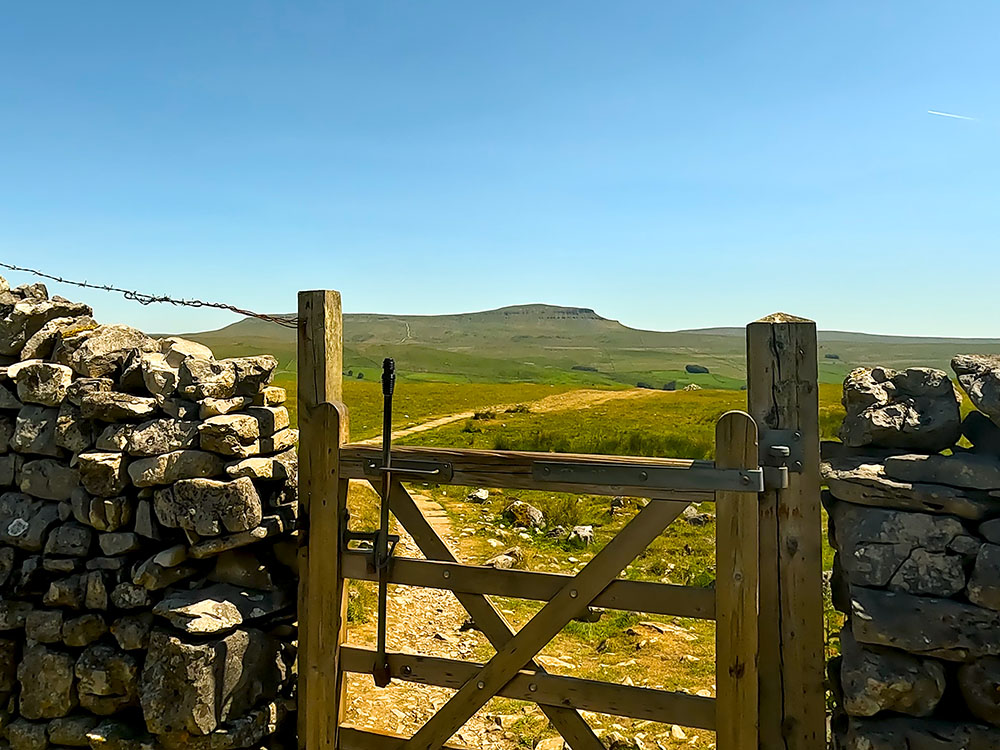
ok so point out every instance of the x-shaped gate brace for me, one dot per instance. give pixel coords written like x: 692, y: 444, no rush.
x: 515, y: 651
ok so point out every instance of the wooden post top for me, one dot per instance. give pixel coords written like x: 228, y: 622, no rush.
x: 780, y: 317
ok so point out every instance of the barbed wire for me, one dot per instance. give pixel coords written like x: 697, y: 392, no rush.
x: 142, y: 298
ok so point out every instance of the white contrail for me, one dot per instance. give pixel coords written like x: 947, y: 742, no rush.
x: 948, y: 114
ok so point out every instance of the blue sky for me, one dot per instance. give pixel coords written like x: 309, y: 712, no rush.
x: 670, y: 164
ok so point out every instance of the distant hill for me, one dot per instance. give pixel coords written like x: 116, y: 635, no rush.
x: 549, y: 344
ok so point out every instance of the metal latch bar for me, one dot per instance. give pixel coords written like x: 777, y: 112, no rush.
x: 654, y: 477
x: 431, y: 471
x: 781, y: 448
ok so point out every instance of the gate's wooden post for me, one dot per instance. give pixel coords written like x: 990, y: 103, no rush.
x: 322, y: 601
x: 783, y: 394
x: 736, y: 589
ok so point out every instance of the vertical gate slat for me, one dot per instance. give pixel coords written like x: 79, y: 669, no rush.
x: 783, y: 393
x: 736, y: 569
x: 322, y: 421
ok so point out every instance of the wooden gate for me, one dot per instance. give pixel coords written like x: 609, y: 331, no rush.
x: 766, y: 601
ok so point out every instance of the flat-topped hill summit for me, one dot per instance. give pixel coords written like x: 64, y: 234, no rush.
x: 556, y: 344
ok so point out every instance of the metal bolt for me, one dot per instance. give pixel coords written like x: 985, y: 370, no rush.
x: 532, y: 687
x: 798, y: 465
x: 797, y: 436
x: 573, y: 594
x: 744, y: 479
x: 446, y: 574
x: 480, y: 684
x: 546, y: 470
x: 643, y: 476
x: 407, y: 669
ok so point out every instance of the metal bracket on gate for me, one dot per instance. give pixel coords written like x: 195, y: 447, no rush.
x: 646, y: 475
x: 367, y: 541
x: 402, y: 468
x: 780, y: 452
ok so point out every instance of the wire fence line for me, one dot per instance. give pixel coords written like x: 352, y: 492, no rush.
x: 286, y: 321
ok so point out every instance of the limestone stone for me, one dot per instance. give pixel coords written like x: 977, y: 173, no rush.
x: 153, y: 576
x: 65, y: 592
x: 127, y: 595
x: 218, y: 608
x: 95, y: 590
x: 40, y: 382
x: 10, y: 469
x: 103, y: 474
x: 103, y: 513
x: 27, y: 735
x: 968, y: 470
x: 8, y: 401
x: 874, y: 680
x: 984, y: 583
x: 214, y: 407
x: 115, y: 438
x: 917, y: 553
x: 176, y: 349
x: 111, y: 406
x: 44, y: 625
x: 268, y: 468
x: 861, y: 480
x: 83, y: 630
x: 101, y: 352
x: 13, y: 614
x: 252, y: 729
x: 270, y: 419
x: 171, y: 557
x: 159, y: 436
x: 179, y: 408
x: 108, y: 679
x: 172, y: 467
x: 201, y: 378
x: 48, y: 479
x: 69, y: 540
x: 272, y: 395
x: 146, y: 524
x: 278, y: 442
x: 904, y: 733
x: 915, y: 409
x: 7, y: 560
x: 73, y: 432
x: 158, y: 376
x: 243, y: 569
x: 81, y: 388
x: 229, y: 433
x: 925, y: 626
x: 26, y: 317
x: 71, y: 731
x: 25, y: 521
x: 192, y: 688
x: 119, y: 543
x: 979, y: 376
x: 253, y: 374
x: 210, y: 507
x: 582, y: 536
x: 41, y: 344
x: 35, y: 431
x: 132, y: 631
x: 47, y: 686
x: 7, y: 426
x: 979, y: 682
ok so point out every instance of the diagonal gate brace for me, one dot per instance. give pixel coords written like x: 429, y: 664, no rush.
x: 603, y: 568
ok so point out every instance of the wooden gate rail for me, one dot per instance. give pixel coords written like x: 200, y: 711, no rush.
x: 630, y: 596
x: 749, y: 539
x: 685, y: 480
x: 546, y: 689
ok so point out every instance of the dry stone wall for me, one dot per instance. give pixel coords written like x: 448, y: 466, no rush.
x: 915, y: 522
x: 147, y: 560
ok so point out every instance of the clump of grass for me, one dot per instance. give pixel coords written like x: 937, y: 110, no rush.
x: 485, y: 414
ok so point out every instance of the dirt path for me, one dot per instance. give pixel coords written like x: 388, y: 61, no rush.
x: 556, y: 402
x: 423, y: 621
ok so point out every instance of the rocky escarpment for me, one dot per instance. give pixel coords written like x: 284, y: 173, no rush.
x: 915, y: 521
x: 147, y: 561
